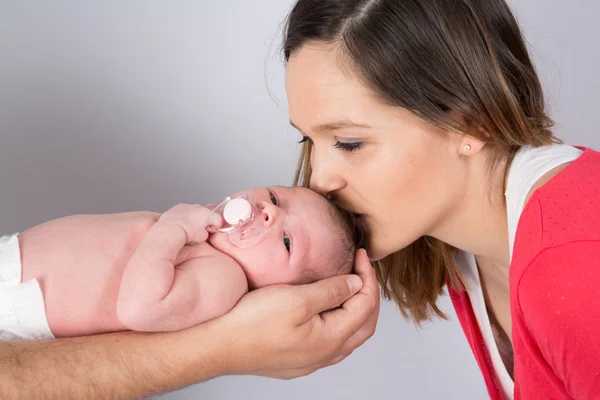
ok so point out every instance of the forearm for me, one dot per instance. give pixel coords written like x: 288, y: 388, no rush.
x: 204, y: 288
x: 149, y: 274
x: 123, y: 365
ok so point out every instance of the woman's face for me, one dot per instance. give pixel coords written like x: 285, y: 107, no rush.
x: 402, y: 173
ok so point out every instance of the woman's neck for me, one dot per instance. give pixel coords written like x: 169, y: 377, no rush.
x: 478, y: 221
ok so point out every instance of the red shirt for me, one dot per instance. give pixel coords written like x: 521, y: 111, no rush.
x: 554, y: 291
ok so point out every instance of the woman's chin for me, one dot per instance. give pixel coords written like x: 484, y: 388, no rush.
x: 376, y: 254
x: 382, y: 245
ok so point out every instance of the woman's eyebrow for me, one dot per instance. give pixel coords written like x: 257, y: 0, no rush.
x: 334, y: 126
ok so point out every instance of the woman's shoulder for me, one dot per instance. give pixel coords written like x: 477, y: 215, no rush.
x: 565, y: 210
x: 568, y: 205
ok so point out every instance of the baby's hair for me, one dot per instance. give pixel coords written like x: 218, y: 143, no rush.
x: 349, y: 234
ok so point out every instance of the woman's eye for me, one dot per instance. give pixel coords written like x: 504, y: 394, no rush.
x: 348, y: 146
x: 287, y: 242
x: 305, y: 139
x: 273, y: 198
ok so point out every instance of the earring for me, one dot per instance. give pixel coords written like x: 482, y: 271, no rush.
x: 467, y: 147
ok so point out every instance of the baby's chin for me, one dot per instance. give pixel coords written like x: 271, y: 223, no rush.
x: 221, y: 242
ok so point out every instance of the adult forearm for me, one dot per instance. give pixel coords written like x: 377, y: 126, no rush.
x: 123, y: 365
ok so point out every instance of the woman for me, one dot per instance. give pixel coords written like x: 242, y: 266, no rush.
x: 427, y: 119
x: 413, y: 112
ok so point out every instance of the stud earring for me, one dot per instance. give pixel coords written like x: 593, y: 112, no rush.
x: 467, y: 147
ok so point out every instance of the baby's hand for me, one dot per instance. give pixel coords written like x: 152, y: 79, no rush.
x: 196, y: 221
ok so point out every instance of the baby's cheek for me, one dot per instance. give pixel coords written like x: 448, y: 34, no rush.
x: 270, y: 267
x: 220, y: 242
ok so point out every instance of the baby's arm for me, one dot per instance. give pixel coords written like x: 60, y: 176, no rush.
x: 157, y: 294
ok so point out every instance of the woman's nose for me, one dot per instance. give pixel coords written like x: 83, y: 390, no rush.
x: 323, y: 179
x: 270, y: 213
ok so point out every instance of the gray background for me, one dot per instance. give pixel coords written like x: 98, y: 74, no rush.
x: 109, y: 106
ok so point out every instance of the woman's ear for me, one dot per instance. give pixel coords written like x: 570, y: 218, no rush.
x: 473, y: 140
x: 470, y: 146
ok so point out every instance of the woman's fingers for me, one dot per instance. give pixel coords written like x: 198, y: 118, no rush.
x: 285, y: 331
x: 338, y: 359
x: 326, y: 294
x: 300, y: 372
x: 371, y: 289
x: 357, y: 318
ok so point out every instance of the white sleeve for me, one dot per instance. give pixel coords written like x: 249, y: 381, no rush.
x: 22, y: 309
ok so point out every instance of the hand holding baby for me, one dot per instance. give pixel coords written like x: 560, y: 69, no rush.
x: 283, y: 330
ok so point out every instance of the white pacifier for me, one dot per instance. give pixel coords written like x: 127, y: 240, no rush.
x: 241, y: 220
x: 237, y: 211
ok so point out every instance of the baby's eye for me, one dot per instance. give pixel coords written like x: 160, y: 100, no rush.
x: 287, y: 242
x: 273, y: 198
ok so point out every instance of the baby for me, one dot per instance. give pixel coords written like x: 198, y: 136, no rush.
x: 178, y: 269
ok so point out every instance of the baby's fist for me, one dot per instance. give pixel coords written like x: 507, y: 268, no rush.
x: 195, y: 220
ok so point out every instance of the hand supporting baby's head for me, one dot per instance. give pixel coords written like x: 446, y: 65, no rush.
x: 307, y: 238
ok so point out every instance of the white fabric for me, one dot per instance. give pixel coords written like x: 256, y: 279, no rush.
x: 22, y: 310
x: 468, y: 266
x: 528, y: 166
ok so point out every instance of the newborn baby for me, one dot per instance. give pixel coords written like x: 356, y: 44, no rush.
x: 178, y: 270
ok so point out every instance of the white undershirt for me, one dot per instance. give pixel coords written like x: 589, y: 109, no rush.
x: 528, y: 166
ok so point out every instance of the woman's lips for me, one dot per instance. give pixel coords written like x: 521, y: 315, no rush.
x: 360, y: 217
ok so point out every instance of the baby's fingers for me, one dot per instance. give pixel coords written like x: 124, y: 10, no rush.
x: 194, y: 220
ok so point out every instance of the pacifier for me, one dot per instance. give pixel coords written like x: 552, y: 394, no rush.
x: 241, y: 220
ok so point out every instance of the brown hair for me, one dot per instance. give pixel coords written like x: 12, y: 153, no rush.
x: 430, y: 57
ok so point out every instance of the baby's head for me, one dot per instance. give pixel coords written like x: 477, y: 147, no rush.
x: 308, y: 238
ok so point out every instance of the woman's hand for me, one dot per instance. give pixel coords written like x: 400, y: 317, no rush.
x: 287, y: 331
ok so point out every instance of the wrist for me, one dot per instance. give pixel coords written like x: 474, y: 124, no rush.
x: 200, y: 353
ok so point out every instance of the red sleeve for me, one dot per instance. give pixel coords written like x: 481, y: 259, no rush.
x: 559, y: 298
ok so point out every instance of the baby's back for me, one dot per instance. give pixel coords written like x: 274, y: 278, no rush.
x: 79, y: 262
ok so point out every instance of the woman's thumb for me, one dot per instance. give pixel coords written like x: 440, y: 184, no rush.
x: 328, y: 293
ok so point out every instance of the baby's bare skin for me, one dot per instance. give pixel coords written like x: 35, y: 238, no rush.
x: 80, y: 261
x: 146, y: 271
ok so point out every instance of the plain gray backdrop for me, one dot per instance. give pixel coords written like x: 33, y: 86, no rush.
x: 109, y: 106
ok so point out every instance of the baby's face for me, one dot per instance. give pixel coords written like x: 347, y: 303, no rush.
x: 298, y: 223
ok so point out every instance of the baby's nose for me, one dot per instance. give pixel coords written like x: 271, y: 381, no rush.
x: 271, y: 214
